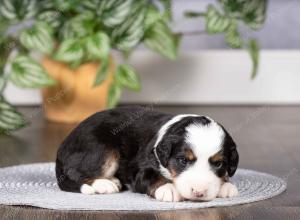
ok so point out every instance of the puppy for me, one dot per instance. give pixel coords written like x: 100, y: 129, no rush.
x: 169, y: 157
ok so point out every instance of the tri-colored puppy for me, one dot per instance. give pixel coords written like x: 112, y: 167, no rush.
x: 168, y: 157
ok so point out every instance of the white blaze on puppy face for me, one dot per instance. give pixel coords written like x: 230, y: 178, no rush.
x: 161, y: 133
x: 205, y: 141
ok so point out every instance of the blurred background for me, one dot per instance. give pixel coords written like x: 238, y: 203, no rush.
x: 207, y: 71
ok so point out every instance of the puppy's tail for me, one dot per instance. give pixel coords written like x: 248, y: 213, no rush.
x: 63, y: 181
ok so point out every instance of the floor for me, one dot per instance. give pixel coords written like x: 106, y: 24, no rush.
x: 268, y: 139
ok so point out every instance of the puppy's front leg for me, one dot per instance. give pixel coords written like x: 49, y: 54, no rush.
x: 167, y: 193
x: 151, y: 182
x: 228, y: 190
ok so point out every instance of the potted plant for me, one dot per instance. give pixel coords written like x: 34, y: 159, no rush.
x: 64, y: 47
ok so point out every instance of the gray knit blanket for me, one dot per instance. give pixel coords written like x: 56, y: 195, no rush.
x: 35, y: 185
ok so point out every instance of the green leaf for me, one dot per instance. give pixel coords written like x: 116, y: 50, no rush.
x: 98, y: 45
x: 126, y: 76
x: 114, y: 95
x: 78, y: 26
x: 92, y: 5
x: 51, y: 17
x: 115, y: 11
x: 254, y: 13
x: 15, y: 10
x: 153, y: 15
x: 4, y: 26
x: 233, y: 7
x: 26, y: 72
x: 194, y: 14
x: 47, y: 5
x: 232, y: 37
x: 253, y: 49
x: 102, y: 72
x: 70, y: 50
x: 129, y: 33
x: 161, y: 39
x: 10, y: 118
x: 167, y: 4
x: 2, y: 83
x: 66, y: 32
x: 7, y: 45
x: 215, y: 21
x: 83, y: 24
x: 65, y: 6
x: 38, y: 38
x: 8, y: 10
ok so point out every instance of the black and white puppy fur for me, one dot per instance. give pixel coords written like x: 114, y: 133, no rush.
x: 169, y: 157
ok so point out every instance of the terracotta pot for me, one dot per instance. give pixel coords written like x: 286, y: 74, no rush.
x: 74, y: 98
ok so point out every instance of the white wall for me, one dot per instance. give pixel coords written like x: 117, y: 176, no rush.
x: 206, y: 77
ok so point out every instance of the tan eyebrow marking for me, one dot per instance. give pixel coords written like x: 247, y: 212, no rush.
x: 189, y: 154
x: 217, y: 157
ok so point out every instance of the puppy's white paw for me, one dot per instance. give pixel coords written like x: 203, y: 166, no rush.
x: 105, y: 186
x: 87, y: 189
x: 228, y: 190
x: 167, y: 193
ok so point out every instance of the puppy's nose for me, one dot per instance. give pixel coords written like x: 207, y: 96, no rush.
x: 198, y: 193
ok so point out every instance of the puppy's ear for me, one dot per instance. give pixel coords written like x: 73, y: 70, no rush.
x: 164, y: 148
x: 233, y: 160
x: 230, y: 153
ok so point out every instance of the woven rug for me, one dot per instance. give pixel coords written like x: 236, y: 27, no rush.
x: 35, y: 185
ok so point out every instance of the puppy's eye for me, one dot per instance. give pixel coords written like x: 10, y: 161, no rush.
x: 217, y: 164
x: 182, y: 160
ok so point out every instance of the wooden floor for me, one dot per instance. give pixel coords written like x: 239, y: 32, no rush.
x: 268, y: 140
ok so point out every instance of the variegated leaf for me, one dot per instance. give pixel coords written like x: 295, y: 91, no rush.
x: 254, y: 13
x: 115, y: 12
x: 233, y: 7
x: 114, y: 95
x: 66, y: 32
x: 82, y: 24
x: 167, y: 4
x: 153, y: 15
x: 10, y: 118
x: 127, y: 77
x: 46, y: 5
x: 91, y: 4
x: 215, y: 21
x: 130, y: 32
x: 2, y: 83
x: 51, y: 17
x: 26, y: 72
x: 8, y: 10
x: 38, y: 38
x: 98, y: 45
x: 69, y: 51
x: 161, y: 39
x: 65, y: 5
x: 18, y: 10
x: 102, y: 72
x: 232, y: 37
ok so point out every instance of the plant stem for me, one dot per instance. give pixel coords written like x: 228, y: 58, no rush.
x: 191, y: 33
x: 194, y: 14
